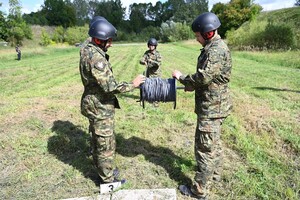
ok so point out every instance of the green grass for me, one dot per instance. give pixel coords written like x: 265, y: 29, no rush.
x: 45, y: 144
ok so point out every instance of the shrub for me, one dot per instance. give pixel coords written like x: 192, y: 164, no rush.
x: 76, y: 34
x: 270, y: 30
x: 279, y: 36
x: 59, y: 34
x: 45, y: 38
x: 172, y: 32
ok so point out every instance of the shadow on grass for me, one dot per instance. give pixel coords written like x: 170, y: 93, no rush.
x: 128, y: 95
x: 277, y: 89
x: 158, y: 155
x: 71, y: 146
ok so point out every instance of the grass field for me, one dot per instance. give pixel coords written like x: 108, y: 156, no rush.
x: 45, y: 144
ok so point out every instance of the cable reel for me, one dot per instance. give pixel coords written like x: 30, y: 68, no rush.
x: 159, y: 90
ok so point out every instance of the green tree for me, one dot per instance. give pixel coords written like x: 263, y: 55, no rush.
x: 38, y: 17
x: 112, y: 10
x: 81, y: 8
x: 189, y: 10
x: 3, y: 26
x: 297, y: 3
x: 137, y: 17
x: 60, y: 13
x: 233, y: 14
x: 17, y: 29
x: 158, y: 13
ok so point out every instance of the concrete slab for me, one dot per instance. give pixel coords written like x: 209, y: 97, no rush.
x: 140, y: 194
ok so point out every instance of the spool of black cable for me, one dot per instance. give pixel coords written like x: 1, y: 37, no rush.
x: 158, y: 90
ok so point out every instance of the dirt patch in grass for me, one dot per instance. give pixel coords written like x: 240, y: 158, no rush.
x: 255, y: 116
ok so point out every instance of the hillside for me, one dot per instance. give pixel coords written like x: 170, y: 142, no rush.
x: 273, y: 30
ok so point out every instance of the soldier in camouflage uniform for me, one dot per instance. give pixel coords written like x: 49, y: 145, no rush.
x: 18, y: 50
x: 212, y: 102
x: 89, y: 39
x: 152, y: 60
x: 98, y: 101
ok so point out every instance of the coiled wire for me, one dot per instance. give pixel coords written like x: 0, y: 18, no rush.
x: 157, y: 89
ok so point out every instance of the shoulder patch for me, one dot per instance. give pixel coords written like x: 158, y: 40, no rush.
x: 100, y: 66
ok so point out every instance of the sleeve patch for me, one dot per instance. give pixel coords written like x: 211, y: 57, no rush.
x: 100, y: 66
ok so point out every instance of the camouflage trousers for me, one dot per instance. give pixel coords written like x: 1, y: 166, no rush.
x: 103, y: 146
x: 208, y: 153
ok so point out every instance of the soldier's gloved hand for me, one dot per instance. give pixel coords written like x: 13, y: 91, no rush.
x: 139, y: 80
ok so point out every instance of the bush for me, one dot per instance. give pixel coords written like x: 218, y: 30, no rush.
x: 150, y: 32
x: 45, y: 38
x: 249, y: 36
x: 76, y: 34
x: 172, y: 32
x: 59, y: 35
x: 271, y: 30
x: 262, y: 35
x: 279, y: 36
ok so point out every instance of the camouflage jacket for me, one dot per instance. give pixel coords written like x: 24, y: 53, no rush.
x: 210, y: 82
x: 153, y: 62
x: 98, y: 99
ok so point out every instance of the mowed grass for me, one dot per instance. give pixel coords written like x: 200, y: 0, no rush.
x: 45, y: 143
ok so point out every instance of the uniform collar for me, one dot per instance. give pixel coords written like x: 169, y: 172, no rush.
x: 103, y: 53
x: 211, y: 41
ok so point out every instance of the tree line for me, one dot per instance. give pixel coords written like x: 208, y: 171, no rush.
x: 167, y: 21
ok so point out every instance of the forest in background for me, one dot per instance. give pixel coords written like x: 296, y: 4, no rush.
x: 167, y: 21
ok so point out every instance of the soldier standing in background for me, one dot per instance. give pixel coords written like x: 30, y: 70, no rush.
x: 98, y: 101
x: 212, y: 102
x: 152, y: 60
x: 18, y: 50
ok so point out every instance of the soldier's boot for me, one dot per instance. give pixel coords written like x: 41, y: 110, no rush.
x: 195, y: 191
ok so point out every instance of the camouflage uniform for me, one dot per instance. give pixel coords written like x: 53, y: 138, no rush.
x: 84, y: 44
x: 152, y: 60
x: 18, y: 50
x: 212, y: 106
x: 98, y: 104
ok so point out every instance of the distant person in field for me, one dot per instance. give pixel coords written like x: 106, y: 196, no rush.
x: 18, y: 50
x: 212, y: 102
x: 99, y: 99
x: 152, y: 60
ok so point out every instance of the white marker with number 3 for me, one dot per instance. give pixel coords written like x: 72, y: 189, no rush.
x: 109, y: 187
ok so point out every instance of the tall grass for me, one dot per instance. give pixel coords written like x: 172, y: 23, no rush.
x: 44, y: 140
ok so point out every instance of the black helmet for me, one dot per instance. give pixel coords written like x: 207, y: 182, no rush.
x: 206, y: 22
x: 152, y: 42
x: 96, y: 18
x: 102, y: 30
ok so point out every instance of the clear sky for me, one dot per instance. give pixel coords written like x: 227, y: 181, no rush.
x: 35, y: 5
